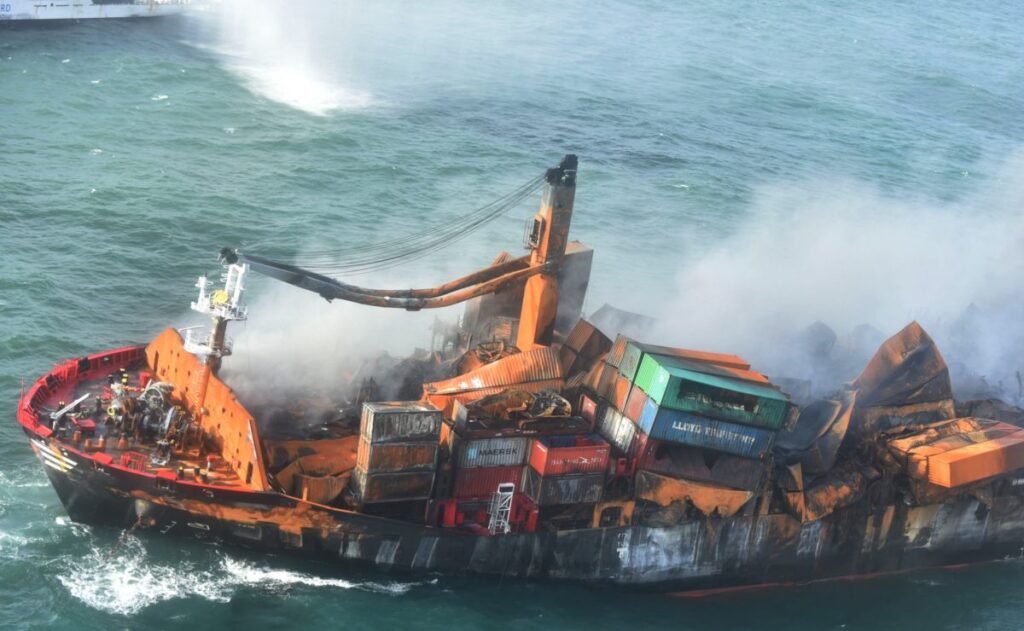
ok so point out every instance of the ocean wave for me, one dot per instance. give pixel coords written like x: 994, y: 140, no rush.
x: 29, y: 479
x: 127, y: 581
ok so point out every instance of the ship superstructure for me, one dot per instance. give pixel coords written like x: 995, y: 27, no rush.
x: 531, y: 443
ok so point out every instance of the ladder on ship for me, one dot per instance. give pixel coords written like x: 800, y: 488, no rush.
x: 501, y: 509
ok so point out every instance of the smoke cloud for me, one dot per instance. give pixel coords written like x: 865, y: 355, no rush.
x: 845, y: 256
x: 297, y: 346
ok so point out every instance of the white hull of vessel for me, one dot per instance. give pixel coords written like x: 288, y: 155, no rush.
x: 87, y: 9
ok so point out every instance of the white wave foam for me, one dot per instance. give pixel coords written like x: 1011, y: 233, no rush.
x: 127, y: 581
x: 27, y: 479
x: 247, y: 574
x: 158, y: 97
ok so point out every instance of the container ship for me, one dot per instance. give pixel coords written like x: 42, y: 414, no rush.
x: 529, y: 442
x: 23, y: 10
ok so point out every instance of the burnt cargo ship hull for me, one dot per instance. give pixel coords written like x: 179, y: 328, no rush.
x: 743, y: 550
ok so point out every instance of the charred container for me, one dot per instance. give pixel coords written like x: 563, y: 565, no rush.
x: 397, y: 456
x: 555, y: 490
x: 674, y: 426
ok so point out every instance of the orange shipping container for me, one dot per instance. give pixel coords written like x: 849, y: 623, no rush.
x: 522, y: 368
x: 977, y: 462
x: 961, y: 451
x: 620, y: 392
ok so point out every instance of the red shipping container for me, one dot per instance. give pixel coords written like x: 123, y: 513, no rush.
x: 588, y: 408
x: 635, y: 404
x: 560, y: 455
x: 483, y: 481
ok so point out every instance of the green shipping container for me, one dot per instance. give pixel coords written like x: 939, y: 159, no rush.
x: 676, y: 388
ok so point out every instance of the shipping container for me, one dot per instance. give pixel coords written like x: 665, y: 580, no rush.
x: 676, y: 388
x: 584, y: 344
x: 372, y: 488
x: 491, y: 452
x: 606, y: 387
x: 400, y: 421
x: 675, y: 426
x: 394, y: 457
x: 560, y: 455
x: 567, y: 360
x: 552, y: 490
x: 961, y: 451
x: 539, y: 364
x: 635, y: 403
x: 683, y: 461
x: 588, y: 408
x: 593, y: 379
x: 633, y: 352
x: 620, y: 393
x: 618, y: 349
x: 482, y: 482
x: 617, y: 429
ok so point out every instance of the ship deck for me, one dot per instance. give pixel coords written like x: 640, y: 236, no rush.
x: 92, y: 429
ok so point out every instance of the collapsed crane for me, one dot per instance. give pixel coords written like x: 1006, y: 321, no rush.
x: 547, y: 240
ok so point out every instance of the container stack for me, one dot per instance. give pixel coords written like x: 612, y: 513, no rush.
x: 397, y: 455
x: 681, y: 415
x: 566, y: 470
x: 481, y: 464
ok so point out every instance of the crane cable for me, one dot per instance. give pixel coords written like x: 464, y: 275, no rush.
x: 400, y: 250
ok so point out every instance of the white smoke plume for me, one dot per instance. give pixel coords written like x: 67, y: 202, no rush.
x: 846, y: 254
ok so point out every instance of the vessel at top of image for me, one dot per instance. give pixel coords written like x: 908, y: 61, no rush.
x: 89, y: 9
x: 530, y: 442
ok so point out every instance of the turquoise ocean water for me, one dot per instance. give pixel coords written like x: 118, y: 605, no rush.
x: 131, y: 152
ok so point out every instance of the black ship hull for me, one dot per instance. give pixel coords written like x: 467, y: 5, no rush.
x: 696, y: 555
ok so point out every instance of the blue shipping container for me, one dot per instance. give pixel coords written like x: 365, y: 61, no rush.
x: 686, y: 428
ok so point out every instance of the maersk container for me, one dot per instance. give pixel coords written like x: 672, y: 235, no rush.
x: 675, y: 426
x: 552, y: 490
x: 673, y: 387
x: 561, y: 455
x: 491, y: 452
x: 373, y: 488
x: 617, y: 429
x: 482, y: 482
x: 400, y: 421
x: 393, y: 457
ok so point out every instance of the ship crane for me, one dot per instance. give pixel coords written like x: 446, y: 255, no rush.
x: 547, y: 239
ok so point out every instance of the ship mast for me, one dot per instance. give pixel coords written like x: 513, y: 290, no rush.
x: 222, y: 306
